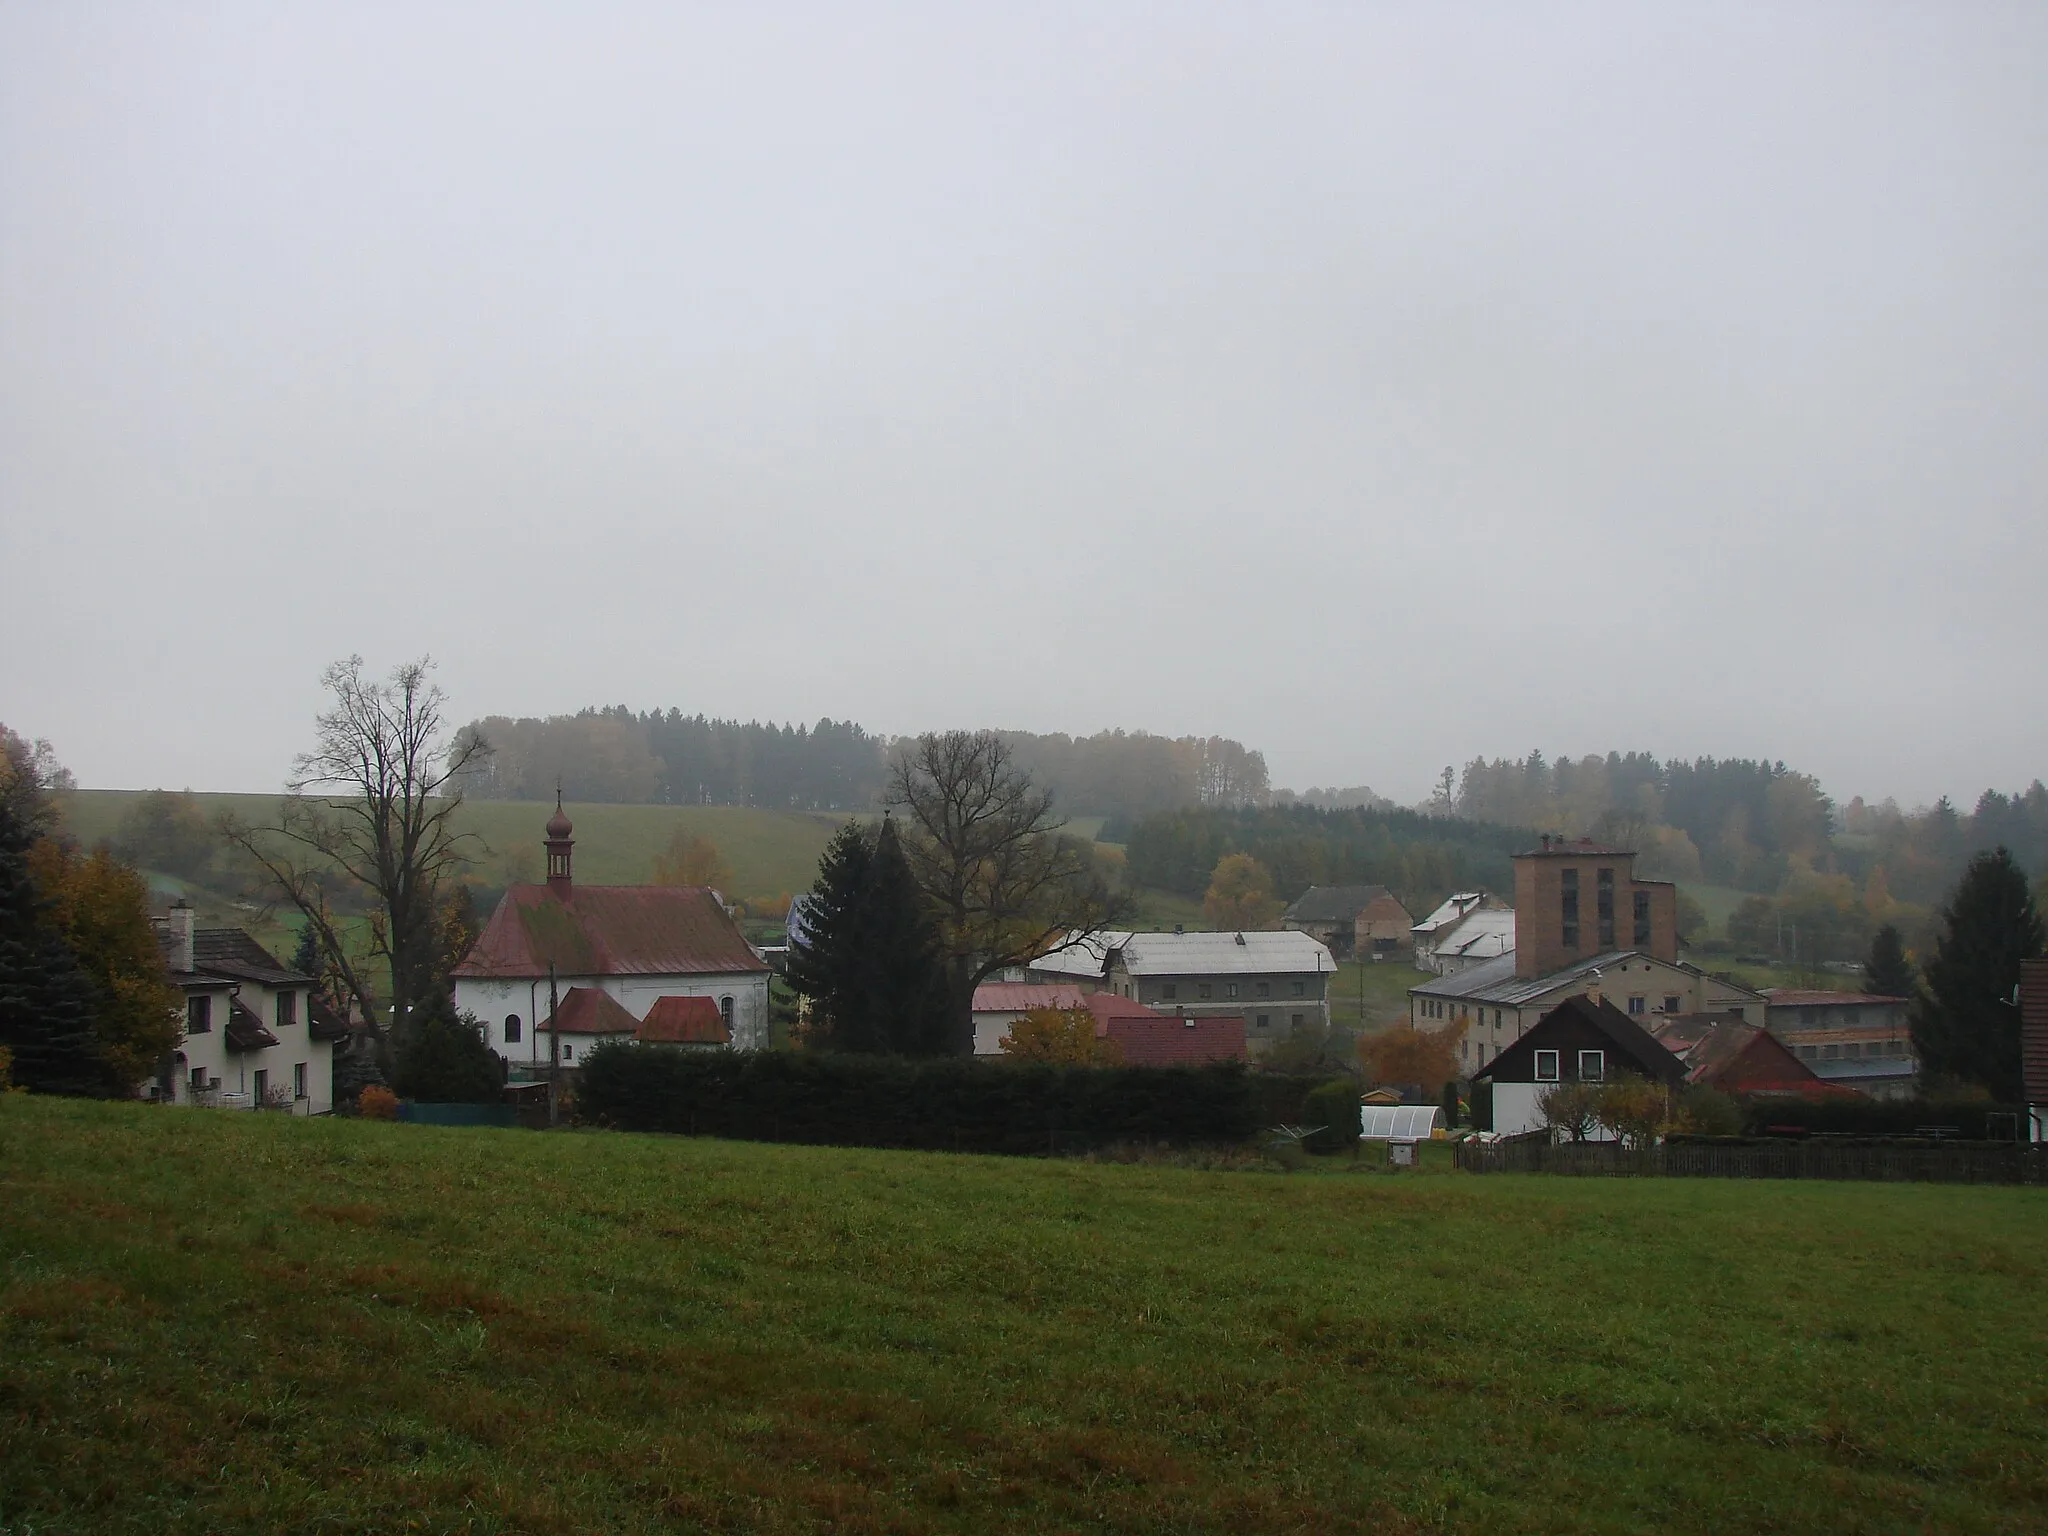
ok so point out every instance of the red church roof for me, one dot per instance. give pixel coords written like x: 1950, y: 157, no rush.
x: 610, y: 930
x: 590, y: 1011
x: 684, y: 1021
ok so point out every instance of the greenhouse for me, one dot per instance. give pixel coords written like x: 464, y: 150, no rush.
x: 1397, y: 1122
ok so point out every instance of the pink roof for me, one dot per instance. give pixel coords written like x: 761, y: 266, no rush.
x: 1024, y: 996
x: 1793, y: 997
x: 684, y: 1021
x: 590, y: 1011
x: 610, y: 930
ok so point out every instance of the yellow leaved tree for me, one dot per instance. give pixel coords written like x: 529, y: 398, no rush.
x: 1061, y: 1035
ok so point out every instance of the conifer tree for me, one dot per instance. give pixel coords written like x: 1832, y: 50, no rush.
x: 1888, y: 973
x: 46, y: 1000
x: 1966, y: 1026
x: 866, y: 954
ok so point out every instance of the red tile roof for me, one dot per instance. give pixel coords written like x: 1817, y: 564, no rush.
x: 1024, y: 996
x: 610, y: 930
x: 589, y: 1011
x: 1745, y: 1058
x: 684, y: 1021
x: 1107, y: 1006
x: 1164, y: 1040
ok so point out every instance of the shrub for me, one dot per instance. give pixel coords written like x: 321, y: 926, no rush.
x: 1631, y: 1109
x: 1568, y: 1107
x: 1334, y: 1107
x: 444, y: 1060
x: 377, y: 1102
x: 1878, y: 1117
x: 939, y: 1104
x: 1705, y: 1112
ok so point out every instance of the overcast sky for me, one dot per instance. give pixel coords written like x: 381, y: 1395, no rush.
x: 1380, y: 385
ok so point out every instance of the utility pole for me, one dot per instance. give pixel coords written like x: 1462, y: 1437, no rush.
x: 554, y: 1055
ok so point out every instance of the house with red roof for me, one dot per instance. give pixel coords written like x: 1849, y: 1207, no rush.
x: 642, y: 962
x: 1726, y: 1054
x: 1145, y: 1036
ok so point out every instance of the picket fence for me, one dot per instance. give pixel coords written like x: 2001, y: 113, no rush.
x: 1916, y: 1162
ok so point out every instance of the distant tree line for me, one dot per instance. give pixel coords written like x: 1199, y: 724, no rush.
x: 1421, y: 858
x: 614, y: 755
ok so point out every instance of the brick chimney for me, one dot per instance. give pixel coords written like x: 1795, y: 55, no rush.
x: 179, y: 925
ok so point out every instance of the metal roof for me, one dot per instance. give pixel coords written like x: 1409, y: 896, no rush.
x: 610, y: 930
x: 1495, y: 981
x: 1794, y: 997
x: 1450, y: 909
x: 1024, y: 996
x: 1081, y: 957
x: 1215, y: 954
x: 1479, y: 935
x: 591, y: 1011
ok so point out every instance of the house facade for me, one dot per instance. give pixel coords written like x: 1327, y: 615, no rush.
x: 633, y: 944
x: 1498, y: 1007
x: 1362, y: 920
x: 2034, y: 1046
x: 1584, y: 1039
x: 1277, y: 982
x: 251, y: 1038
x: 1856, y: 1039
x: 1000, y: 1004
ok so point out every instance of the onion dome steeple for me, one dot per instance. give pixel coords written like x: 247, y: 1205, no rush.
x: 559, y: 842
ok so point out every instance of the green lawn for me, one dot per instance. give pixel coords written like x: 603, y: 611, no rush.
x: 221, y: 1322
x: 1385, y: 986
x: 770, y: 852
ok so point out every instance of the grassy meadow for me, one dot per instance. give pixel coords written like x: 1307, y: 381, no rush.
x: 214, y: 1322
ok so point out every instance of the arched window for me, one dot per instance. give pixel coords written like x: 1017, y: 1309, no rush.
x: 725, y: 1013
x: 511, y: 1029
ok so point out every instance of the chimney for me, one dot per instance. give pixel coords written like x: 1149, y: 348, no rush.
x: 1178, y: 928
x: 1546, y: 842
x: 180, y: 925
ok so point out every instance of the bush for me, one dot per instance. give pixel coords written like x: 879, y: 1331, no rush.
x: 445, y: 1061
x: 377, y: 1102
x: 937, y: 1104
x: 1334, y: 1107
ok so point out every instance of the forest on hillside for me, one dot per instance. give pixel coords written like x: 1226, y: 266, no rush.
x: 658, y: 757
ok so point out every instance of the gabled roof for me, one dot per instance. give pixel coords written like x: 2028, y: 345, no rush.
x: 1108, y: 1006
x: 592, y: 1011
x: 1482, y: 934
x: 1212, y: 954
x: 610, y: 930
x: 1150, y: 1039
x: 224, y: 955
x: 1081, y: 958
x: 1630, y: 1043
x: 1451, y: 909
x: 1333, y: 903
x: 1024, y: 996
x: 684, y: 1021
x: 1495, y: 981
x: 1723, y: 1052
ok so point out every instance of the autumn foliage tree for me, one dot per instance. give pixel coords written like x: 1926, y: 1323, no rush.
x: 692, y: 860
x: 1061, y: 1035
x: 100, y: 908
x: 1405, y: 1054
x: 1240, y: 895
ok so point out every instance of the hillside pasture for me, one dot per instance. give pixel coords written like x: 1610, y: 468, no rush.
x: 220, y: 1322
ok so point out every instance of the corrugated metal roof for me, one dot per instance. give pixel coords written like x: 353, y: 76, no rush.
x: 1081, y: 958
x: 1478, y: 935
x: 610, y: 930
x: 591, y: 1011
x: 684, y: 1021
x: 1495, y: 981
x: 2034, y: 1029
x: 1450, y: 909
x: 1794, y: 997
x: 1024, y: 996
x: 1214, y: 954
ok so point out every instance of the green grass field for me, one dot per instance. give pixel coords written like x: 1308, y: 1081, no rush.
x: 213, y: 1322
x: 1385, y: 986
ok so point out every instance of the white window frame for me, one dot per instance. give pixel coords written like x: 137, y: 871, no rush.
x: 1598, y: 1061
x: 1553, y: 1061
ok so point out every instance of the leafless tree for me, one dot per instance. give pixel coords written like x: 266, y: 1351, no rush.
x: 1004, y: 884
x: 373, y: 805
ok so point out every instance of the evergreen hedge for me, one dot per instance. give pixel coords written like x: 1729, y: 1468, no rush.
x: 950, y: 1104
x: 1877, y: 1117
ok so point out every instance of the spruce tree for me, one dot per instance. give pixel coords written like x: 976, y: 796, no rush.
x: 1888, y: 973
x: 47, y: 1002
x: 866, y: 955
x: 1966, y: 1026
x: 444, y: 1059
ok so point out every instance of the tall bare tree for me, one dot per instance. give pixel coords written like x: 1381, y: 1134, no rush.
x: 373, y: 805
x: 1003, y: 882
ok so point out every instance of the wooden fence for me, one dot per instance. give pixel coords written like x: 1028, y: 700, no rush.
x: 1924, y: 1162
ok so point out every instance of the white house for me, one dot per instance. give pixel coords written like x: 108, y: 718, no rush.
x: 251, y: 1039
x: 633, y: 945
x: 1485, y: 933
x: 1453, y: 910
